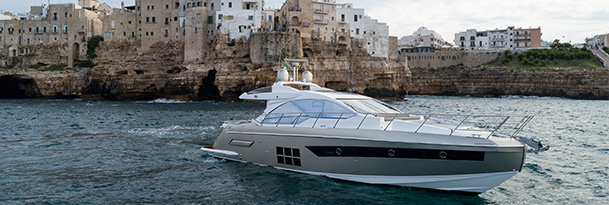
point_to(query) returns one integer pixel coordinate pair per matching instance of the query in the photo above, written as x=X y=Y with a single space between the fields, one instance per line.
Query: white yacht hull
x=475 y=183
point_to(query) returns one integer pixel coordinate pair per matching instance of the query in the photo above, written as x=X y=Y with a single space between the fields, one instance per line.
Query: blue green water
x=64 y=151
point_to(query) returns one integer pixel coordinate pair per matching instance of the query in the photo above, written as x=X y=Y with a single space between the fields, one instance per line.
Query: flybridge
x=286 y=87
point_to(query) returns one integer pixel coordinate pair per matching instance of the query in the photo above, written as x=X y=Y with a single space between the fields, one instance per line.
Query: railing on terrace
x=496 y=125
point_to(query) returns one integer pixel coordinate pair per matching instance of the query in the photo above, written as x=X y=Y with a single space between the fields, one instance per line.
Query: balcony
x=294 y=23
x=522 y=39
x=320 y=11
x=342 y=22
x=319 y=21
x=499 y=39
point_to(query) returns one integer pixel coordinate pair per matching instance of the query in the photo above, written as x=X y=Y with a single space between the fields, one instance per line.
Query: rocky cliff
x=230 y=68
x=123 y=72
x=498 y=81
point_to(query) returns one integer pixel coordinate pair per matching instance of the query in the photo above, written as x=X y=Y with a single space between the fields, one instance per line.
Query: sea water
x=70 y=151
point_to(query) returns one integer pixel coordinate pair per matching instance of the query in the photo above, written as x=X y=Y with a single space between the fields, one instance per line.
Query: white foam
x=168 y=101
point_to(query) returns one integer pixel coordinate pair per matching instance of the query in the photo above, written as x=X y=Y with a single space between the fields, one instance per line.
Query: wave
x=167 y=101
x=172 y=130
x=529 y=97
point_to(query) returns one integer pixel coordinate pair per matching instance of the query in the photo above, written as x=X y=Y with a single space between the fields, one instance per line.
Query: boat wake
x=535 y=144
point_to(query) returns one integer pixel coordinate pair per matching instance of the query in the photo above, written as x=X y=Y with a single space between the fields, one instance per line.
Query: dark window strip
x=379 y=152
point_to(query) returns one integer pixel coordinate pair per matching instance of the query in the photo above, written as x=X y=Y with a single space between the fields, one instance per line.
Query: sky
x=566 y=20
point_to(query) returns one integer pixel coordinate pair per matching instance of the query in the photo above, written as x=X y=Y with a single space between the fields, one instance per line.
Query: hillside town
x=69 y=26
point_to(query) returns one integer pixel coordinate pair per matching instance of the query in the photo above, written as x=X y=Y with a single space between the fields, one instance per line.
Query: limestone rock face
x=497 y=81
x=122 y=73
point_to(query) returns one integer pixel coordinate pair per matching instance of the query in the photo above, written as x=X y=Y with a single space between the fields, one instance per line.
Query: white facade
x=237 y=18
x=375 y=35
x=5 y=17
x=423 y=37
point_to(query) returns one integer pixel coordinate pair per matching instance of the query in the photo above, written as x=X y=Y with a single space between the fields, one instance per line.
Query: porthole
x=391 y=152
x=443 y=154
x=339 y=151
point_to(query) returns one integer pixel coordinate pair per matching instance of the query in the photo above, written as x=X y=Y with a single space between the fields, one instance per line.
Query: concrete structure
x=237 y=18
x=499 y=39
x=89 y=4
x=598 y=41
x=374 y=35
x=423 y=37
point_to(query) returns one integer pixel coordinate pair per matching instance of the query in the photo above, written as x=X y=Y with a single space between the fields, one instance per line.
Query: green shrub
x=92 y=44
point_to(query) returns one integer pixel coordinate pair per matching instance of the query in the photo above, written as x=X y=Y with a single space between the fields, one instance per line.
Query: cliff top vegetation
x=559 y=55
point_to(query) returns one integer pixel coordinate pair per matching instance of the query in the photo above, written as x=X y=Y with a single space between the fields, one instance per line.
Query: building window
x=66 y=14
x=166 y=6
x=472 y=38
x=210 y=20
x=188 y=5
x=462 y=38
x=37 y=30
x=65 y=29
x=147 y=19
x=230 y=4
x=355 y=18
x=44 y=29
x=357 y=31
x=129 y=22
x=220 y=16
x=151 y=33
x=55 y=16
x=153 y=19
x=250 y=18
x=166 y=21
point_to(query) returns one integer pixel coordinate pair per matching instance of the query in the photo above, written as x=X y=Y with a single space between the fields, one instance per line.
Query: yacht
x=310 y=129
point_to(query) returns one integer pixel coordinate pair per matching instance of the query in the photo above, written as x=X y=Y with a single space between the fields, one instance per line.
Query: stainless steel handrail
x=503 y=122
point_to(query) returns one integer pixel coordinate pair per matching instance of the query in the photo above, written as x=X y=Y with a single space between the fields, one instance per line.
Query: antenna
x=295 y=63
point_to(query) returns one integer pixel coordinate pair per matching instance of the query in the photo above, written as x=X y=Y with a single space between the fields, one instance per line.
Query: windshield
x=370 y=106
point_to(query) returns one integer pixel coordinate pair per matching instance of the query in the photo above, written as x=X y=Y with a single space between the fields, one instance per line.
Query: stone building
x=159 y=21
x=296 y=16
x=423 y=37
x=67 y=26
x=373 y=34
x=510 y=38
x=268 y=20
x=120 y=24
x=195 y=32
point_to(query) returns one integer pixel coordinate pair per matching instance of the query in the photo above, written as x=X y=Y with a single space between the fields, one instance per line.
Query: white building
x=237 y=18
x=423 y=37
x=375 y=35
